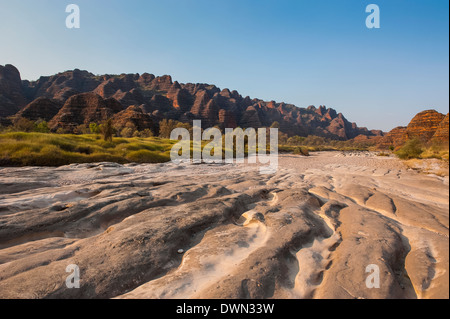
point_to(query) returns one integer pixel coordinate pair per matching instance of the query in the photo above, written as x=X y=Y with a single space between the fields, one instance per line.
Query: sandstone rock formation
x=41 y=108
x=424 y=125
x=442 y=133
x=136 y=117
x=161 y=97
x=427 y=126
x=84 y=109
x=62 y=86
x=395 y=138
x=12 y=96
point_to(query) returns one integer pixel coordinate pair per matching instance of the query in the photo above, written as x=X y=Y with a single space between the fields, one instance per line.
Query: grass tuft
x=44 y=149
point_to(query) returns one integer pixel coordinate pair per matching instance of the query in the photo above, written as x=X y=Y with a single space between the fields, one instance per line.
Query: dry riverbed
x=225 y=231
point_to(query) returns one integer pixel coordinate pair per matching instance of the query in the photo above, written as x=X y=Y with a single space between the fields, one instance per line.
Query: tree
x=107 y=130
x=312 y=140
x=146 y=133
x=166 y=127
x=42 y=127
x=295 y=140
x=22 y=124
x=187 y=126
x=282 y=138
x=82 y=129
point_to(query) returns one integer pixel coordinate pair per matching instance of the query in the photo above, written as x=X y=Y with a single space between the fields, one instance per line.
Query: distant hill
x=72 y=98
x=428 y=126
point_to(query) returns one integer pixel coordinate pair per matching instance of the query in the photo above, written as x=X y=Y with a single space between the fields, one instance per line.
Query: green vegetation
x=167 y=126
x=41 y=149
x=438 y=152
x=107 y=130
x=316 y=143
x=24 y=125
x=32 y=143
x=383 y=154
x=94 y=129
x=412 y=149
x=415 y=149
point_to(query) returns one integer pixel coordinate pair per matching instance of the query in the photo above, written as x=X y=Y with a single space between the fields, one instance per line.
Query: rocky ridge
x=159 y=97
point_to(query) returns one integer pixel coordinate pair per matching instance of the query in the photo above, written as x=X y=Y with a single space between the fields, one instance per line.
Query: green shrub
x=296 y=140
x=146 y=133
x=412 y=149
x=94 y=128
x=22 y=124
x=166 y=127
x=127 y=132
x=42 y=127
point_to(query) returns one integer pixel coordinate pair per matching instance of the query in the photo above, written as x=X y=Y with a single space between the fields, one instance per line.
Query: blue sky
x=315 y=52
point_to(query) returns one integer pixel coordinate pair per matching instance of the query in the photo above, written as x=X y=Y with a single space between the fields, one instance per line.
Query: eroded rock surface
x=225 y=231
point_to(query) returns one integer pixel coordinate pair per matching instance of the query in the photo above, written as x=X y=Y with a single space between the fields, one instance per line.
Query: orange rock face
x=424 y=125
x=441 y=135
x=136 y=116
x=427 y=126
x=394 y=138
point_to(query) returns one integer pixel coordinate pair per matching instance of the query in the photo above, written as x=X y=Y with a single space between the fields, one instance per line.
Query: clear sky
x=315 y=52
